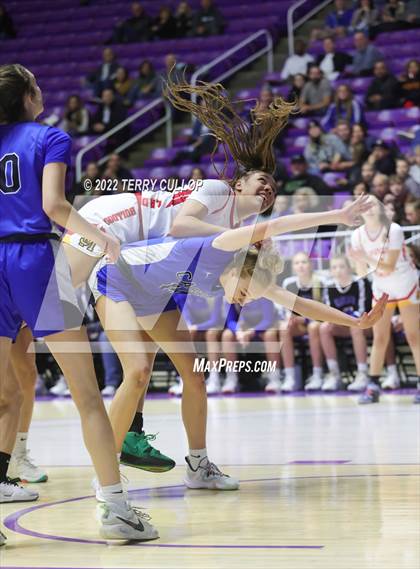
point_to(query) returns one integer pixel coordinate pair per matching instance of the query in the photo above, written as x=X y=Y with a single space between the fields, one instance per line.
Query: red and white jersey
x=404 y=277
x=146 y=215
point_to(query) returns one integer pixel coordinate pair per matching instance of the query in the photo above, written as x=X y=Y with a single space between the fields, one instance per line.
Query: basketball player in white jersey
x=378 y=247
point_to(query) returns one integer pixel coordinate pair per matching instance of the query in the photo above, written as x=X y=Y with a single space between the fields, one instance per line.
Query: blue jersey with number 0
x=25 y=148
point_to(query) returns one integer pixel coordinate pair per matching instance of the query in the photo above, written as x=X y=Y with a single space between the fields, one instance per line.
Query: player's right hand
x=112 y=247
x=369 y=319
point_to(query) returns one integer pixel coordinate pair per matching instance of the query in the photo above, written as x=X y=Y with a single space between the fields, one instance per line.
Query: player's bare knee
x=138 y=374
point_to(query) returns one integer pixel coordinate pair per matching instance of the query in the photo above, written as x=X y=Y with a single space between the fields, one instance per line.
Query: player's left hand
x=367 y=320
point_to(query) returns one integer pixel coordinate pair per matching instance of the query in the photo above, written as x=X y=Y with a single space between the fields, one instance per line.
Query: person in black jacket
x=105 y=74
x=110 y=113
x=332 y=62
x=164 y=27
x=133 y=29
x=384 y=91
x=301 y=178
x=7 y=29
x=208 y=21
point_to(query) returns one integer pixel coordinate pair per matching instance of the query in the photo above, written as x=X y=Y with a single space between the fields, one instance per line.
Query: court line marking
x=12 y=521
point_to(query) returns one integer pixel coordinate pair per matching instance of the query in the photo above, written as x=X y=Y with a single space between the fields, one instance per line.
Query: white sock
x=20 y=444
x=333 y=367
x=317 y=372
x=114 y=493
x=289 y=372
x=392 y=369
x=196 y=456
x=214 y=376
x=362 y=368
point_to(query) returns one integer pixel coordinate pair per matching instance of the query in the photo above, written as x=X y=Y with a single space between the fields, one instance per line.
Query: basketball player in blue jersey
x=35 y=287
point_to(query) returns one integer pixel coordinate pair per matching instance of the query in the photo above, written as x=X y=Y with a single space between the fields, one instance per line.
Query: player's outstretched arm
x=235 y=239
x=57 y=207
x=317 y=311
x=190 y=221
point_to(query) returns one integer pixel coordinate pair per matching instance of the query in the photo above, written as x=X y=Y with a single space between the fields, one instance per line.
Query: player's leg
x=381 y=335
x=24 y=366
x=296 y=327
x=229 y=350
x=11 y=399
x=118 y=520
x=213 y=344
x=136 y=352
x=176 y=343
x=272 y=352
x=410 y=313
x=360 y=351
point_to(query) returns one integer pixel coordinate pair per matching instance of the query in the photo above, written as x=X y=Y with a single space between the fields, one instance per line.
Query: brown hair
x=15 y=83
x=250 y=145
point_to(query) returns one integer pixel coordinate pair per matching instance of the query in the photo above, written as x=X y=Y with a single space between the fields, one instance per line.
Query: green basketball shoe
x=138 y=453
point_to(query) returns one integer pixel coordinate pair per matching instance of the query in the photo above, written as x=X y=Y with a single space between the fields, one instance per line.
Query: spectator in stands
x=305 y=200
x=352 y=296
x=381 y=158
x=105 y=74
x=298 y=84
x=123 y=84
x=359 y=143
x=364 y=17
x=380 y=186
x=115 y=170
x=197 y=173
x=307 y=285
x=245 y=324
x=300 y=178
x=332 y=62
x=414 y=171
x=183 y=20
x=403 y=171
x=164 y=26
x=410 y=84
x=298 y=62
x=367 y=174
x=360 y=189
x=345 y=106
x=336 y=23
x=146 y=85
x=93 y=174
x=201 y=142
x=366 y=55
x=320 y=150
x=207 y=20
x=176 y=68
x=316 y=94
x=412 y=212
x=134 y=29
x=343 y=159
x=7 y=29
x=384 y=91
x=110 y=113
x=393 y=17
x=413 y=12
x=76 y=117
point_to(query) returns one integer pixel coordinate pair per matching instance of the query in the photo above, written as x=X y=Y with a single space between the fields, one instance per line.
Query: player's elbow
x=178 y=228
x=54 y=210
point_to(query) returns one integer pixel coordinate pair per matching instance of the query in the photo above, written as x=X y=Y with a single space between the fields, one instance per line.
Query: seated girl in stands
x=378 y=247
x=305 y=284
x=352 y=296
x=243 y=325
x=345 y=106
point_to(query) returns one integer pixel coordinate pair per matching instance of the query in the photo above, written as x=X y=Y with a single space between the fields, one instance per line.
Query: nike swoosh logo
x=139 y=526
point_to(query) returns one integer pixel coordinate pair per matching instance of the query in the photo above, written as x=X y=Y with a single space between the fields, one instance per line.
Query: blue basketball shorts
x=36 y=288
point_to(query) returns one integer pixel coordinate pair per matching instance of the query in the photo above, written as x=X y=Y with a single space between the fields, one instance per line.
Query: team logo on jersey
x=185 y=285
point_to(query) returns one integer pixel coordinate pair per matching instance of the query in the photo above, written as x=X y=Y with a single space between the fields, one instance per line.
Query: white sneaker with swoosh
x=208 y=476
x=119 y=520
x=10 y=491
